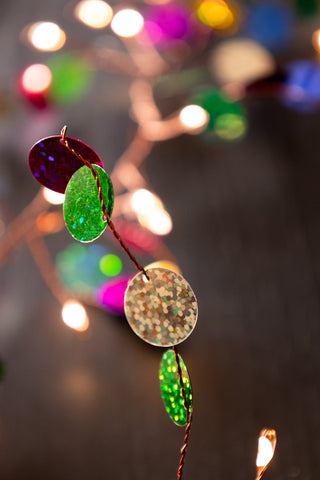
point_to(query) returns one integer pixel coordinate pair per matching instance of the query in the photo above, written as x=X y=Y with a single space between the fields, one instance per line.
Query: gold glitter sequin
x=162 y=311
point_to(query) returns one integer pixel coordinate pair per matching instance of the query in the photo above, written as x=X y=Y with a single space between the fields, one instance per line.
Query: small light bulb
x=265 y=452
x=194 y=117
x=94 y=13
x=75 y=316
x=53 y=197
x=46 y=36
x=127 y=23
x=266 y=448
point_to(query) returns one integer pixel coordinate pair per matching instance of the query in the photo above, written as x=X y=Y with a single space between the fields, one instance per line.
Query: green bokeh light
x=110 y=265
x=227 y=118
x=230 y=126
x=71 y=77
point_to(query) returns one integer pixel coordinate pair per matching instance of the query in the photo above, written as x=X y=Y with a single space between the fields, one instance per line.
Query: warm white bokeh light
x=75 y=316
x=127 y=23
x=53 y=197
x=240 y=60
x=194 y=117
x=94 y=13
x=142 y=201
x=36 y=78
x=265 y=452
x=158 y=221
x=46 y=36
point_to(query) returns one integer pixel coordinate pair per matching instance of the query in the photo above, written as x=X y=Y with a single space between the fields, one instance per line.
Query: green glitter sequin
x=82 y=209
x=171 y=390
x=162 y=311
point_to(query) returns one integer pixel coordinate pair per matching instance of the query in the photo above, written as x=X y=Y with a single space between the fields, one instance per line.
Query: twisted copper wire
x=64 y=142
x=183 y=392
x=183 y=450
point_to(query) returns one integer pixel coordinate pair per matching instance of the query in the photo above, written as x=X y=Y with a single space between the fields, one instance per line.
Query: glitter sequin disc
x=171 y=390
x=53 y=165
x=162 y=310
x=82 y=208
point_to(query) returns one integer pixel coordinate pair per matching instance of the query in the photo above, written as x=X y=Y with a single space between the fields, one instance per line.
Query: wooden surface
x=246 y=235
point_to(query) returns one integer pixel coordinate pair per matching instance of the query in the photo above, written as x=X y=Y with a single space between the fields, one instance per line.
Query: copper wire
x=183 y=450
x=64 y=142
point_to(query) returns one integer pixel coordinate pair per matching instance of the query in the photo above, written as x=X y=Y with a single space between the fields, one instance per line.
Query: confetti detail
x=162 y=311
x=82 y=208
x=171 y=390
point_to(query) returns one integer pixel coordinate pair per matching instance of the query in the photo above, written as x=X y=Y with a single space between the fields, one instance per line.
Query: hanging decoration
x=160 y=306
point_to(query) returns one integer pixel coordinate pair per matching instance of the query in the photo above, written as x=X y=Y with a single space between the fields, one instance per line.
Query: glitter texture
x=53 y=165
x=162 y=311
x=171 y=390
x=82 y=209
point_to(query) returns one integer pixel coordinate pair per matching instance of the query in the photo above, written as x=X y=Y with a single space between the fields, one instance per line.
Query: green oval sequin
x=171 y=390
x=82 y=209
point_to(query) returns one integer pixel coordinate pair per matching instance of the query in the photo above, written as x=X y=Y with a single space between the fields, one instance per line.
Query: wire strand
x=183 y=450
x=117 y=236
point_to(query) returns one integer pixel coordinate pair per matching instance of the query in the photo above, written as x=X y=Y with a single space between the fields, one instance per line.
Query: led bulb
x=266 y=448
x=265 y=452
x=94 y=13
x=46 y=36
x=194 y=117
x=127 y=23
x=75 y=316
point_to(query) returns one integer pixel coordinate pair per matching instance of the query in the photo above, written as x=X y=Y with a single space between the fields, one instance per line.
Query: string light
x=53 y=197
x=36 y=79
x=266 y=448
x=46 y=36
x=127 y=23
x=75 y=316
x=94 y=13
x=194 y=118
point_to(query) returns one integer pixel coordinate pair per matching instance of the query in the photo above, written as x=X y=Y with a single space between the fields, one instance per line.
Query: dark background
x=246 y=235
